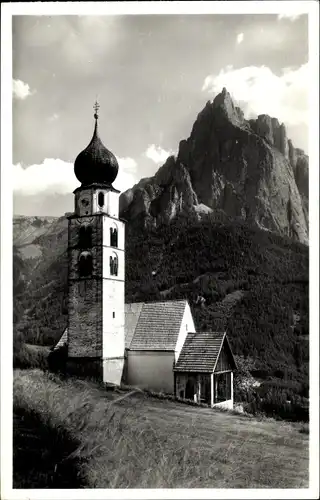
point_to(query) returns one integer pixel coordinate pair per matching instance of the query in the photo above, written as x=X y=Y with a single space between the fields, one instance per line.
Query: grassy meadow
x=72 y=433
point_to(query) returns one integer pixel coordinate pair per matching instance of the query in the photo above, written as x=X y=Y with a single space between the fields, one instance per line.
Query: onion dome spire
x=96 y=164
x=96 y=107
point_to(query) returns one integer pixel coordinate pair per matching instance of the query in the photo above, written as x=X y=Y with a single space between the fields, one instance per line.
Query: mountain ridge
x=247 y=169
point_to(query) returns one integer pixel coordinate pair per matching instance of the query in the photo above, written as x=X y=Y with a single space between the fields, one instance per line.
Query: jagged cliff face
x=244 y=169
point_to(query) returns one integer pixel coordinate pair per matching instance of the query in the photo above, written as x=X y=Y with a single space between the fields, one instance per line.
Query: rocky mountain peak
x=272 y=131
x=225 y=111
x=219 y=113
x=246 y=169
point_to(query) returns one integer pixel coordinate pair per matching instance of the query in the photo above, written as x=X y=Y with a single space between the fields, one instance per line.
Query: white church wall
x=113 y=301
x=114 y=253
x=151 y=370
x=114 y=224
x=187 y=325
x=111 y=203
x=113 y=322
x=95 y=205
x=112 y=370
x=113 y=293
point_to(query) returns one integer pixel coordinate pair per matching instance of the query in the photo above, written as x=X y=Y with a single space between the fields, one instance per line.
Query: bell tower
x=96 y=260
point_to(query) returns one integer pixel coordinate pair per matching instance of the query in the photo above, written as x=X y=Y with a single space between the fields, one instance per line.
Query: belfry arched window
x=85 y=237
x=114 y=265
x=101 y=199
x=114 y=236
x=85 y=264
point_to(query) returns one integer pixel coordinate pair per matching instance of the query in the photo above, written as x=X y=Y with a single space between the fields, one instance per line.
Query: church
x=152 y=345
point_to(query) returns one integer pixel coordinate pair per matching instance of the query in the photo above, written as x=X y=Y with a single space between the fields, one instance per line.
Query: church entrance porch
x=194 y=387
x=197 y=388
x=204 y=369
x=214 y=389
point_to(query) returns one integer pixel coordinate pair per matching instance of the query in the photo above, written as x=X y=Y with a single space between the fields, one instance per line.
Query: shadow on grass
x=43 y=456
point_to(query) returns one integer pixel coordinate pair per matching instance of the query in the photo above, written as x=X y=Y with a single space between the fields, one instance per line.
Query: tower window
x=113 y=237
x=85 y=237
x=101 y=199
x=114 y=265
x=85 y=264
x=113 y=314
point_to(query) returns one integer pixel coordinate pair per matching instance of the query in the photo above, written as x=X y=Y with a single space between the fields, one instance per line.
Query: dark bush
x=27 y=357
x=57 y=359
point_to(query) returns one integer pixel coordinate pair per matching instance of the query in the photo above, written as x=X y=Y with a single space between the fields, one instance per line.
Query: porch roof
x=200 y=352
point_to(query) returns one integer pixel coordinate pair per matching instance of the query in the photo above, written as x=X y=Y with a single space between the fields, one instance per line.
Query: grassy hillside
x=80 y=435
x=26 y=230
x=40 y=281
x=252 y=282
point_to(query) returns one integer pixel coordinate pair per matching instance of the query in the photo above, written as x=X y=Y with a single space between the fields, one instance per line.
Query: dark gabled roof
x=158 y=326
x=149 y=326
x=200 y=352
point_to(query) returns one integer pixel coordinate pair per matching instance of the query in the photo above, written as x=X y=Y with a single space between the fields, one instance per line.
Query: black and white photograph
x=159 y=250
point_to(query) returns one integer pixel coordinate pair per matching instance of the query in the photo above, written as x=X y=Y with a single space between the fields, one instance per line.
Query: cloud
x=157 y=154
x=20 y=89
x=127 y=175
x=55 y=176
x=53 y=117
x=292 y=17
x=258 y=90
x=240 y=37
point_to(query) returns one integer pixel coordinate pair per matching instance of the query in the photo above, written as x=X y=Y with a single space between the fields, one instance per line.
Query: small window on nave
x=85 y=237
x=113 y=265
x=85 y=264
x=101 y=199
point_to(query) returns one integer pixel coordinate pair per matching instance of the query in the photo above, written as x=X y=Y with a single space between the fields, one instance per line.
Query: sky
x=152 y=75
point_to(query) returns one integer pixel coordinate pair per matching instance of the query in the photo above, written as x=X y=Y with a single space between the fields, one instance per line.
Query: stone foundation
x=85 y=367
x=111 y=371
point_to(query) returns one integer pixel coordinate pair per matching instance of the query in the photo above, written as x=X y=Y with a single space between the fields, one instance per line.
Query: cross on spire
x=96 y=109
